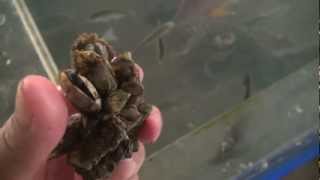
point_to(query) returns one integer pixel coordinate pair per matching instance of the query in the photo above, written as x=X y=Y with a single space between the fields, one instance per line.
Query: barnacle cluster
x=104 y=87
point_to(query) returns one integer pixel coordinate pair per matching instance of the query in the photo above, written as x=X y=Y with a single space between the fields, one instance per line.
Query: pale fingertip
x=34 y=129
x=128 y=167
x=77 y=176
x=46 y=104
x=59 y=169
x=125 y=169
x=151 y=129
x=139 y=156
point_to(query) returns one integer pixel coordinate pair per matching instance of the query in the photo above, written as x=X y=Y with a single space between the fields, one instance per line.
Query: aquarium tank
x=235 y=80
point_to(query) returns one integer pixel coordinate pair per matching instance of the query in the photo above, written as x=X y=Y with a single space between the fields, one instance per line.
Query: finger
x=33 y=130
x=134 y=177
x=139 y=156
x=40 y=174
x=139 y=72
x=128 y=167
x=77 y=177
x=59 y=169
x=151 y=129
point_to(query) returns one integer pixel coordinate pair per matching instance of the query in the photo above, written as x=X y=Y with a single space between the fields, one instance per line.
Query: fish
x=209 y=8
x=293 y=51
x=55 y=23
x=247 y=85
x=162 y=11
x=221 y=10
x=157 y=33
x=2 y=19
x=161 y=48
x=107 y=16
x=267 y=14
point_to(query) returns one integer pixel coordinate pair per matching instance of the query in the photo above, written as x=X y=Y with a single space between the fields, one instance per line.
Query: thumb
x=33 y=130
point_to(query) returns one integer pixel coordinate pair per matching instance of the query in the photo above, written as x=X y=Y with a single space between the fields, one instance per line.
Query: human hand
x=37 y=125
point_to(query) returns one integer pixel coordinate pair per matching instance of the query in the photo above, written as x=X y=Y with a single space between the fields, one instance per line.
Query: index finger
x=152 y=126
x=151 y=129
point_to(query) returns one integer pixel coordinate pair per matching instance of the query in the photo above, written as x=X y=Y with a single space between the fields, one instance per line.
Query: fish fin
x=247 y=85
x=161 y=48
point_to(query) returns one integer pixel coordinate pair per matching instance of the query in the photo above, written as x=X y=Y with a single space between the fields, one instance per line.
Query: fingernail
x=21 y=111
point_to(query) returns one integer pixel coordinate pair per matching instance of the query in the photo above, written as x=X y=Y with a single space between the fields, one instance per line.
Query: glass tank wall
x=236 y=74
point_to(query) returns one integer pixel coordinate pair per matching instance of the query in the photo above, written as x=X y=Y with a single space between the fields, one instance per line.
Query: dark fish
x=157 y=33
x=161 y=48
x=107 y=16
x=247 y=85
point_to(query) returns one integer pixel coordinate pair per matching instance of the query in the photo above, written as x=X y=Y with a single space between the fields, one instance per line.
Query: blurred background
x=235 y=79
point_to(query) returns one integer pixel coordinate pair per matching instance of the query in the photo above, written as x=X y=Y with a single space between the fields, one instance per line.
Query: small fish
x=2 y=19
x=157 y=33
x=265 y=15
x=194 y=8
x=161 y=48
x=107 y=16
x=291 y=51
x=247 y=85
x=221 y=10
x=8 y=62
